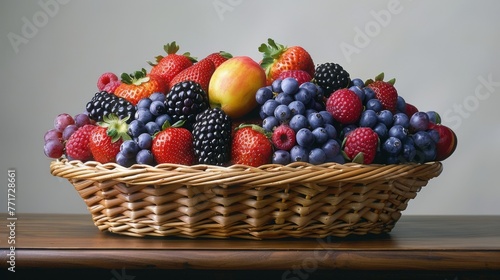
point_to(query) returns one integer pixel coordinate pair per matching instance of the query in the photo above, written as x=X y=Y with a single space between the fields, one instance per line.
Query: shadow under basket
x=298 y=200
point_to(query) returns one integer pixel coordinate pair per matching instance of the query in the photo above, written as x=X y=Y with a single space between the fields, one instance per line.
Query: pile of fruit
x=224 y=110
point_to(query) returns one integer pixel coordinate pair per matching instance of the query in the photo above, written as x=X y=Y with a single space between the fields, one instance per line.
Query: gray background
x=440 y=52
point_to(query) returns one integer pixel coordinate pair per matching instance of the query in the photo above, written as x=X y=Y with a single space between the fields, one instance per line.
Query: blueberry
x=398 y=131
x=374 y=104
x=369 y=93
x=161 y=119
x=327 y=117
x=331 y=131
x=144 y=103
x=393 y=145
x=157 y=96
x=281 y=157
x=368 y=118
x=144 y=115
x=311 y=88
x=401 y=119
x=317 y=156
x=289 y=85
x=430 y=153
x=348 y=128
x=263 y=94
x=269 y=106
x=303 y=95
x=422 y=139
x=358 y=82
x=129 y=148
x=305 y=137
x=381 y=130
x=299 y=153
x=434 y=134
x=276 y=85
x=283 y=113
x=401 y=104
x=409 y=151
x=123 y=160
x=331 y=148
x=269 y=123
x=284 y=98
x=315 y=120
x=157 y=108
x=386 y=117
x=359 y=92
x=297 y=107
x=338 y=159
x=136 y=127
x=434 y=117
x=152 y=128
x=144 y=141
x=320 y=135
x=145 y=157
x=297 y=122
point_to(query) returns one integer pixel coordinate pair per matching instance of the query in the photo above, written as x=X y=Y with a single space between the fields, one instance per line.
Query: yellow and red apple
x=233 y=86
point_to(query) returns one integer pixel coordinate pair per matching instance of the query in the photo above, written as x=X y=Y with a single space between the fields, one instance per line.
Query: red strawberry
x=174 y=144
x=278 y=58
x=385 y=92
x=345 y=106
x=200 y=72
x=251 y=146
x=283 y=137
x=218 y=57
x=106 y=138
x=139 y=85
x=361 y=145
x=300 y=75
x=77 y=146
x=168 y=66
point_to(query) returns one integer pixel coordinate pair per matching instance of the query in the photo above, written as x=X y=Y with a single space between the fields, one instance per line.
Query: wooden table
x=443 y=247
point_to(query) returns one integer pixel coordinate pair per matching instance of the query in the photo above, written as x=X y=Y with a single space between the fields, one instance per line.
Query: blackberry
x=330 y=77
x=212 y=137
x=104 y=103
x=184 y=101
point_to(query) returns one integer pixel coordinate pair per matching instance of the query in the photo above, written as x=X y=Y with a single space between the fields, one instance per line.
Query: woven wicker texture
x=273 y=201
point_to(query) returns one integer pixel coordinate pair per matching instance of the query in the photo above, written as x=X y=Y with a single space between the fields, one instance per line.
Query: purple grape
x=419 y=121
x=81 y=119
x=53 y=148
x=52 y=134
x=62 y=121
x=68 y=131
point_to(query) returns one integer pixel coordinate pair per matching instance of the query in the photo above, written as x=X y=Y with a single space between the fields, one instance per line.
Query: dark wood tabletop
x=417 y=243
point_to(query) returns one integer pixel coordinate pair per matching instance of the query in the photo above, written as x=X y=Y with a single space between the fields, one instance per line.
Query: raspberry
x=105 y=79
x=77 y=146
x=283 y=137
x=111 y=86
x=300 y=75
x=345 y=106
x=361 y=145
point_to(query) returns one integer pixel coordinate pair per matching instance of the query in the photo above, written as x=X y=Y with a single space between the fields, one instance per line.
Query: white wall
x=440 y=52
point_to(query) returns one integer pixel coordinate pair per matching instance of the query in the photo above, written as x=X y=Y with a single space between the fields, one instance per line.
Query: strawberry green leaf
x=359 y=158
x=379 y=77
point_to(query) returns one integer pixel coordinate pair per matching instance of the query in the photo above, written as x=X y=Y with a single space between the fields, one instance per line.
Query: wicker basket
x=273 y=201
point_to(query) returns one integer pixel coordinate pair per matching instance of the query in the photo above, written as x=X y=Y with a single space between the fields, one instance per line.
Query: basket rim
x=202 y=174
